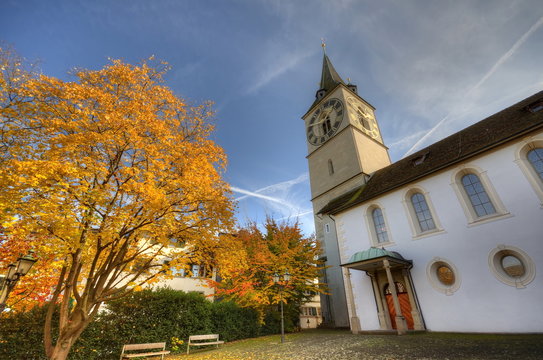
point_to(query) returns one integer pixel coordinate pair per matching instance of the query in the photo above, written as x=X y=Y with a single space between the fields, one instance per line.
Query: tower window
x=330 y=167
x=320 y=94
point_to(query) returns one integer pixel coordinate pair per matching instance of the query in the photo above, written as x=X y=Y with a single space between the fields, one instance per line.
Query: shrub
x=162 y=315
x=21 y=334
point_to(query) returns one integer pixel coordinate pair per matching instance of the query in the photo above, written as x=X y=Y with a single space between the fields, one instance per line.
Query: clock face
x=325 y=121
x=364 y=116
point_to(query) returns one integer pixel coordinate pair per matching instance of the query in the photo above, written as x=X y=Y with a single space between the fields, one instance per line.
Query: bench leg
x=188 y=348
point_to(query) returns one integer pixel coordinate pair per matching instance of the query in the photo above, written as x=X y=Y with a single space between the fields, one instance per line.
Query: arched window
x=478 y=197
x=422 y=212
x=379 y=225
x=535 y=157
x=480 y=201
x=529 y=157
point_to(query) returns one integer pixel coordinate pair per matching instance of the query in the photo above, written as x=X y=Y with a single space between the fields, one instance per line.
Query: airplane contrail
x=489 y=73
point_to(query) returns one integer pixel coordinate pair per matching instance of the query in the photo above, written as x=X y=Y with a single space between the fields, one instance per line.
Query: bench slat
x=207 y=343
x=144 y=346
x=203 y=337
x=128 y=356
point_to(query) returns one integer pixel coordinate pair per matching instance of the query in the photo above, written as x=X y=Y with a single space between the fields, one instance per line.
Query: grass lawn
x=339 y=344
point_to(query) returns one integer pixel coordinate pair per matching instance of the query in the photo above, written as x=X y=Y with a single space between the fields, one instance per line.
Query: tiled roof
x=504 y=126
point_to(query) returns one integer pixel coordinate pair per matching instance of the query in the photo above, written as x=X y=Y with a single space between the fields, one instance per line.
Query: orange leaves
x=107 y=168
x=249 y=260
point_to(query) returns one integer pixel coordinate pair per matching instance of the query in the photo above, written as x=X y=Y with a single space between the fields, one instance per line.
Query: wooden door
x=405 y=305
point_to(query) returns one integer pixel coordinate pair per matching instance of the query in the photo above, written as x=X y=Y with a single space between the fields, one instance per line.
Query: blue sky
x=430 y=68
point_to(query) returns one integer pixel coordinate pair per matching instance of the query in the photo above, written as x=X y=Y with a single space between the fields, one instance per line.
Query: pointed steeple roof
x=329 y=77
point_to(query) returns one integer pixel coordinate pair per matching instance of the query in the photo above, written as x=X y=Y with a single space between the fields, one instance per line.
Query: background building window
x=477 y=195
x=195 y=269
x=422 y=212
x=379 y=225
x=535 y=157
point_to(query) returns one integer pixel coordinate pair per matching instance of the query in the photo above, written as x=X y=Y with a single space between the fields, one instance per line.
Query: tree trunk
x=66 y=340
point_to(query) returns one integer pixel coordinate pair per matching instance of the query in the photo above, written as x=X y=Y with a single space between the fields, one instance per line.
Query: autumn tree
x=34 y=289
x=105 y=172
x=248 y=264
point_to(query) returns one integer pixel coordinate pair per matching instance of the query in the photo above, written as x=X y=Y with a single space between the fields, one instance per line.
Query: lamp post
x=15 y=271
x=281 y=282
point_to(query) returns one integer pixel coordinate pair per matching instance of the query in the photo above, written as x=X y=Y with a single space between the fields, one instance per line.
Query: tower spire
x=329 y=77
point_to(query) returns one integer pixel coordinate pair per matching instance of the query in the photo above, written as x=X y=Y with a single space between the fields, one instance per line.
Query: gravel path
x=342 y=345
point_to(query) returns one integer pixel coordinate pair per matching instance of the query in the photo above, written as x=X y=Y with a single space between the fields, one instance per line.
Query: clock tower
x=345 y=147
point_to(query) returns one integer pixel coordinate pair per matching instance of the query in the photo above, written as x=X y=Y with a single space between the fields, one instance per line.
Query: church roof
x=506 y=125
x=329 y=77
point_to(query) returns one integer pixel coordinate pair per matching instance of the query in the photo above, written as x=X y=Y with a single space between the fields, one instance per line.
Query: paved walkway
x=342 y=345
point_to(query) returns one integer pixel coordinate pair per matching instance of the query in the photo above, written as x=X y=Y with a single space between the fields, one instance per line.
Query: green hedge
x=142 y=317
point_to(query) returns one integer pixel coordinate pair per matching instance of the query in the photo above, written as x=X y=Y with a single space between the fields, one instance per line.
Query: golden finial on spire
x=323 y=44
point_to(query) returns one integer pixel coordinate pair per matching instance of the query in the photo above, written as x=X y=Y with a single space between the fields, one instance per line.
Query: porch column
x=415 y=313
x=355 y=322
x=401 y=324
x=379 y=300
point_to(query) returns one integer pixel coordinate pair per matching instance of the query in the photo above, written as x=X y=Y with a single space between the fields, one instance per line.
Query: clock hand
x=323 y=116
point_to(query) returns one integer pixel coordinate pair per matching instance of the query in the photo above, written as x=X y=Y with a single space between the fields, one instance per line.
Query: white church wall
x=365 y=305
x=482 y=303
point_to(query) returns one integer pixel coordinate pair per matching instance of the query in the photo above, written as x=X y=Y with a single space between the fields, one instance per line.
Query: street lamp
x=14 y=273
x=277 y=280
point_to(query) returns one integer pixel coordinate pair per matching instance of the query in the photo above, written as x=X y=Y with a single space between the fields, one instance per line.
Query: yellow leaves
x=110 y=159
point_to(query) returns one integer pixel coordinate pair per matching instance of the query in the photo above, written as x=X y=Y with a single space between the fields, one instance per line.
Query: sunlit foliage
x=102 y=171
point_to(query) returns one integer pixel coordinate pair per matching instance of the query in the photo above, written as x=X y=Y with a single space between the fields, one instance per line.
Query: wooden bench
x=203 y=340
x=139 y=347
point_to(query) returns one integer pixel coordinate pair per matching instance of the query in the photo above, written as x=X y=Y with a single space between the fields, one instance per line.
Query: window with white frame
x=477 y=196
x=379 y=225
x=422 y=212
x=535 y=157
x=512 y=266
x=443 y=275
x=529 y=157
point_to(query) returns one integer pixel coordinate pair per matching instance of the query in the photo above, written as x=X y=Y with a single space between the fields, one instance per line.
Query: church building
x=446 y=239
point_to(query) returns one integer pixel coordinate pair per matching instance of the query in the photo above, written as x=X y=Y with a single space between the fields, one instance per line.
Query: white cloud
x=467 y=97
x=276 y=67
x=282 y=197
x=282 y=186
